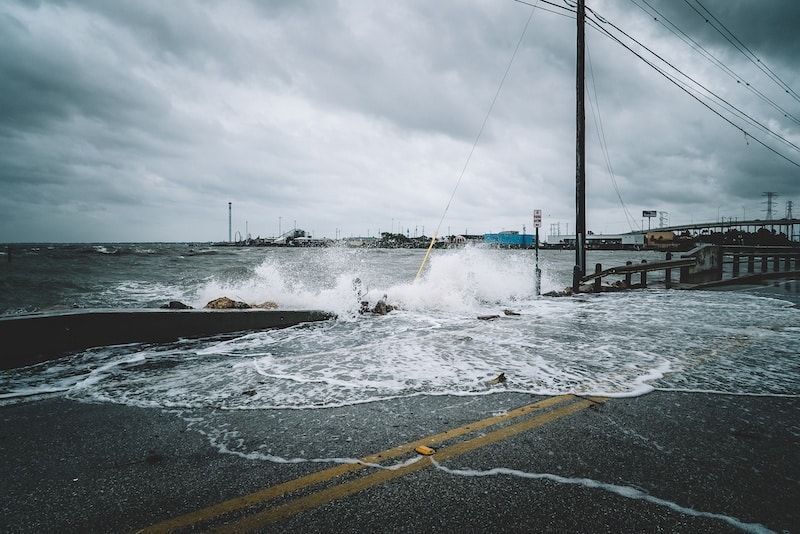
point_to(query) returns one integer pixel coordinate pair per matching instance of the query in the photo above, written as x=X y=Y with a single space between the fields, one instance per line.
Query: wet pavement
x=662 y=462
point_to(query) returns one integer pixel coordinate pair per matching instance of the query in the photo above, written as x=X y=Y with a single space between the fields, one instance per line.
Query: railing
x=704 y=266
x=630 y=268
x=779 y=258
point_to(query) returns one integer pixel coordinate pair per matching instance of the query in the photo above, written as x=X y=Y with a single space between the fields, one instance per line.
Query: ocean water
x=742 y=342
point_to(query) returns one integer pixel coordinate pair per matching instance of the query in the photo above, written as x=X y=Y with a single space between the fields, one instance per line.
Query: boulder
x=224 y=303
x=382 y=308
x=176 y=305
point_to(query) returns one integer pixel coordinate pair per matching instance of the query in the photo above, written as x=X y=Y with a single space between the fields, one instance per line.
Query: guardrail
x=704 y=266
x=629 y=269
x=779 y=258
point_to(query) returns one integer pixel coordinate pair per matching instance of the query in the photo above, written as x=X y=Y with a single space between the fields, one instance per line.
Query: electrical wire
x=741 y=47
x=475 y=143
x=599 y=26
x=599 y=23
x=697 y=47
x=601 y=137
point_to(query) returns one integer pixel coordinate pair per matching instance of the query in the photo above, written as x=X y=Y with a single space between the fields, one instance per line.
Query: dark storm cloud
x=768 y=29
x=141 y=120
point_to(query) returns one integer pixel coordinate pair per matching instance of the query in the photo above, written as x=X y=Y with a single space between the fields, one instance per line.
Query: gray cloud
x=140 y=121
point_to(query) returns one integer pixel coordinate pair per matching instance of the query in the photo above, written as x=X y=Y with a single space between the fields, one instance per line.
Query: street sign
x=537 y=218
x=649 y=213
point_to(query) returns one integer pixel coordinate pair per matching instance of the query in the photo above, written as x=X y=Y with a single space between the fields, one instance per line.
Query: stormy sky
x=140 y=121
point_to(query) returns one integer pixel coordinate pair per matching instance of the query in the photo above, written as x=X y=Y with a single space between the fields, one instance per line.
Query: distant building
x=509 y=239
x=662 y=240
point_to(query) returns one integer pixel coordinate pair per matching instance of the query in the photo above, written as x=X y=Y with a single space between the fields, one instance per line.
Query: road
x=505 y=462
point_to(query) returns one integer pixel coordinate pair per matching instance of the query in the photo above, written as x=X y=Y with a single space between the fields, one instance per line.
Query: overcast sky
x=140 y=121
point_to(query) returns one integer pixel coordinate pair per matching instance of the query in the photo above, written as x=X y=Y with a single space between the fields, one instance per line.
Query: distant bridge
x=790 y=227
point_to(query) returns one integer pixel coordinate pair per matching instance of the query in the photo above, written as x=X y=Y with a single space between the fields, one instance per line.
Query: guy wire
x=477 y=138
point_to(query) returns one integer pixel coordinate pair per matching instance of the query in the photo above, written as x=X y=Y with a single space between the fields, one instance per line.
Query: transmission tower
x=663 y=219
x=771 y=195
x=789 y=209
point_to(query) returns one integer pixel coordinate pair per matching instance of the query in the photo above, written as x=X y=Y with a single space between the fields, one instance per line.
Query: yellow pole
x=428 y=253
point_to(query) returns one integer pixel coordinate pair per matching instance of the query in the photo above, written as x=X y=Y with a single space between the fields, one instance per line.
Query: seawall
x=30 y=339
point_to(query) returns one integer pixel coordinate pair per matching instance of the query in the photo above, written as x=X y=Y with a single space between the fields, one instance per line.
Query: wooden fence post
x=597 y=269
x=628 y=275
x=644 y=276
x=668 y=273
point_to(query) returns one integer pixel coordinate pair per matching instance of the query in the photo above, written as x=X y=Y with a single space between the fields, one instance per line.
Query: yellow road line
x=319 y=498
x=225 y=507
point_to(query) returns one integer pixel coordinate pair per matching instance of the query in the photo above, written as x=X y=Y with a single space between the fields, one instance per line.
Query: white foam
x=622 y=344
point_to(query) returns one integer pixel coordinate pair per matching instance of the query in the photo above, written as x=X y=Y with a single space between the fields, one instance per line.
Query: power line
x=599 y=23
x=477 y=138
x=741 y=47
x=601 y=137
x=697 y=47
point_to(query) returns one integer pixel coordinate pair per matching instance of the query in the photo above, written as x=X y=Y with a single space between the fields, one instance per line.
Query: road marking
x=354 y=486
x=319 y=498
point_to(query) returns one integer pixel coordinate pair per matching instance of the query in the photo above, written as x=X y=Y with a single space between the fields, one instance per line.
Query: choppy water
x=619 y=344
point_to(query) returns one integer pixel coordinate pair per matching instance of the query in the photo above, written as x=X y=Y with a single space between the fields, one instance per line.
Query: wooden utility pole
x=580 y=156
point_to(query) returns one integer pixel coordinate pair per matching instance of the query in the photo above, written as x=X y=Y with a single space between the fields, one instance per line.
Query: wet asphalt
x=662 y=462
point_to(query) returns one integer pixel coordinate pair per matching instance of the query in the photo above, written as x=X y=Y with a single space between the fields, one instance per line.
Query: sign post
x=537 y=223
x=649 y=214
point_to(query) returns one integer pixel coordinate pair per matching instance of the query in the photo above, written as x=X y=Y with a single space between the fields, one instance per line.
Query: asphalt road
x=663 y=462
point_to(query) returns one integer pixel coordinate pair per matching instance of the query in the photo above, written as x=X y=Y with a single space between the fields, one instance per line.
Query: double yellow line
x=570 y=404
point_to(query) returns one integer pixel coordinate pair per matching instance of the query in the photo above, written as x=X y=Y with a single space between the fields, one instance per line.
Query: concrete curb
x=31 y=339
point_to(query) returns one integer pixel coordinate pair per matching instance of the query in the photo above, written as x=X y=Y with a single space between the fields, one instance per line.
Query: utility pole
x=230 y=236
x=580 y=155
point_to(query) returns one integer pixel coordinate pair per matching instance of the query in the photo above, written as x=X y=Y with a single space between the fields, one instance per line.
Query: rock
x=176 y=305
x=488 y=317
x=566 y=293
x=510 y=312
x=268 y=305
x=382 y=308
x=224 y=303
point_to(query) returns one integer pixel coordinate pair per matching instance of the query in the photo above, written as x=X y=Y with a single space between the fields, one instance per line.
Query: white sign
x=537 y=218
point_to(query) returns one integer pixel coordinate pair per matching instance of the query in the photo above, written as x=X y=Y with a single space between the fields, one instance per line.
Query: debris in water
x=498 y=379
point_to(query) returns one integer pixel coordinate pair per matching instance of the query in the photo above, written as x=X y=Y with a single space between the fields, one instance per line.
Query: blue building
x=509 y=239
